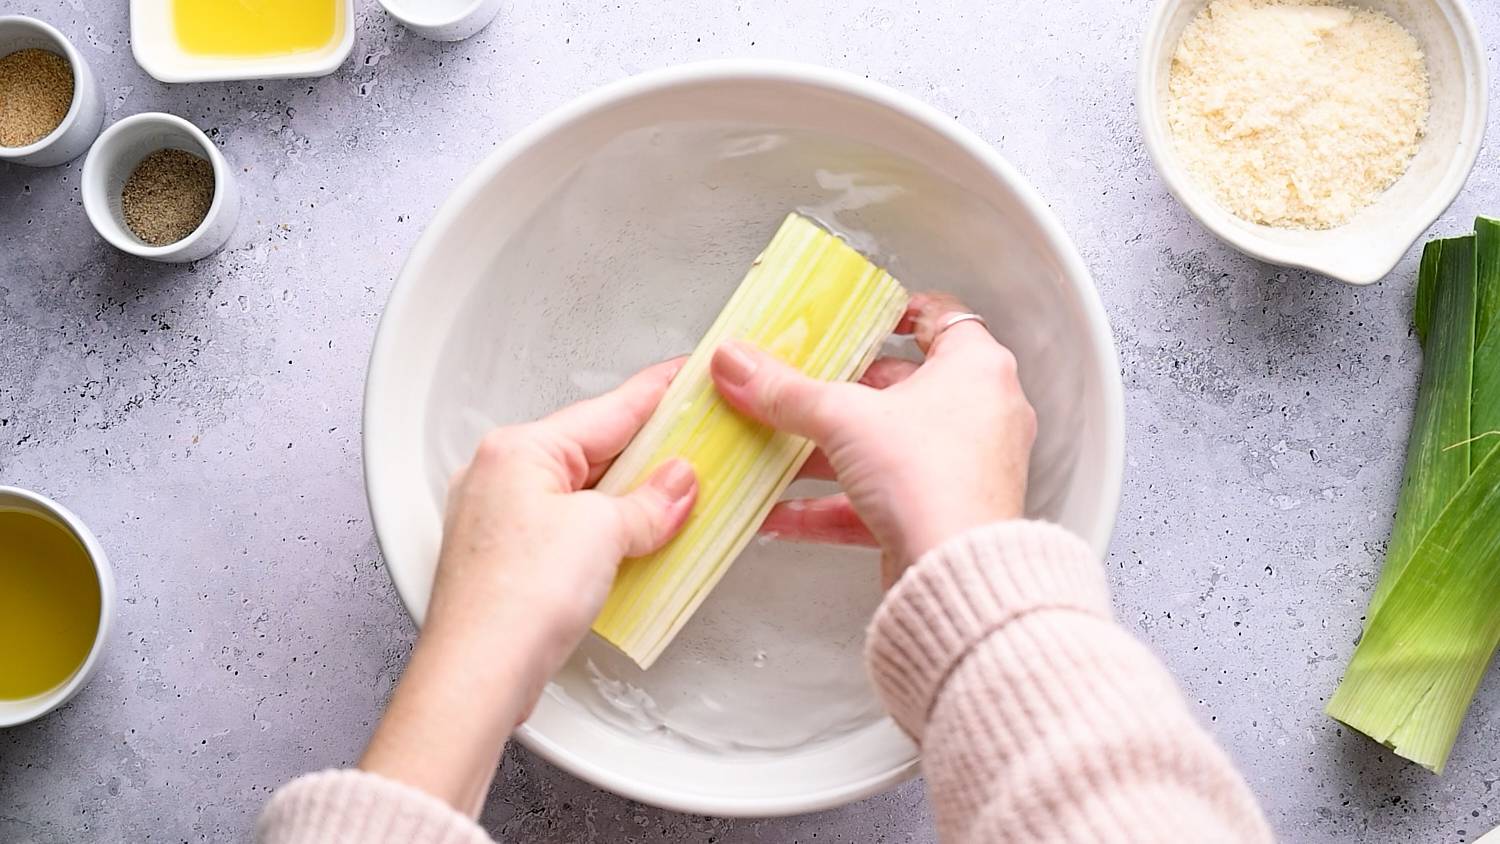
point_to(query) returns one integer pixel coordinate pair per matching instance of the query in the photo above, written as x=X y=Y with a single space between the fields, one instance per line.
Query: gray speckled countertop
x=205 y=419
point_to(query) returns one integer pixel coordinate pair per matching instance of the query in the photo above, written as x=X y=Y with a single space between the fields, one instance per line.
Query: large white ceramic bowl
x=608 y=235
x=1366 y=248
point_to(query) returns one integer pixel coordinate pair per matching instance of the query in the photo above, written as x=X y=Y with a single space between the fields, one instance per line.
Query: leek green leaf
x=1437 y=451
x=1434 y=620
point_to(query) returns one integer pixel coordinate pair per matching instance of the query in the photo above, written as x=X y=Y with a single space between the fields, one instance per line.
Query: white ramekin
x=114 y=157
x=1367 y=247
x=80 y=125
x=456 y=254
x=154 y=45
x=13 y=712
x=448 y=20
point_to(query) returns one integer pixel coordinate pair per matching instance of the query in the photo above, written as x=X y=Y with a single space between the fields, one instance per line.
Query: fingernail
x=734 y=363
x=675 y=479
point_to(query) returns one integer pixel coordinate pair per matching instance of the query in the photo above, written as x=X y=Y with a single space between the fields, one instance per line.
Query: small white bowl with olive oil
x=57 y=597
x=211 y=41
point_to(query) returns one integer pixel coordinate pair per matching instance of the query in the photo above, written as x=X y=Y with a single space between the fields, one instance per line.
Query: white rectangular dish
x=158 y=52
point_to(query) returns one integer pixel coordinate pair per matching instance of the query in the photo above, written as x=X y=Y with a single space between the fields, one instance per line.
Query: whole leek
x=1434 y=620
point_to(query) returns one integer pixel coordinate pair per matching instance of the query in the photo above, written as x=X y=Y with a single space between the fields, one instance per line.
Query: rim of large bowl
x=378 y=488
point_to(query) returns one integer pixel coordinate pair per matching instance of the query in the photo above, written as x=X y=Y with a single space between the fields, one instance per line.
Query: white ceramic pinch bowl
x=153 y=41
x=115 y=156
x=14 y=712
x=608 y=235
x=443 y=20
x=1366 y=248
x=80 y=125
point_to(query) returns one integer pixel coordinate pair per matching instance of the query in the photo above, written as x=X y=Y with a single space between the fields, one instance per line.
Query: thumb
x=768 y=391
x=652 y=513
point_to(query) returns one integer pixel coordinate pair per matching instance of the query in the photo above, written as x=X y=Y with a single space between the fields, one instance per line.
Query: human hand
x=529 y=555
x=923 y=452
x=525 y=538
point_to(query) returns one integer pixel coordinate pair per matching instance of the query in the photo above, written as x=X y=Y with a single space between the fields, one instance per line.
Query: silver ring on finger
x=955 y=319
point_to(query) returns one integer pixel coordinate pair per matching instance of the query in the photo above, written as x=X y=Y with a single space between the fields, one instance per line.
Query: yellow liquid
x=256 y=27
x=49 y=604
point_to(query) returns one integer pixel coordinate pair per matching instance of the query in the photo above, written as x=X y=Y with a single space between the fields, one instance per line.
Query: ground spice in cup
x=36 y=91
x=167 y=196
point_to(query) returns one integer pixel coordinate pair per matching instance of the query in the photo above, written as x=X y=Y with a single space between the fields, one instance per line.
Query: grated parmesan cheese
x=1295 y=114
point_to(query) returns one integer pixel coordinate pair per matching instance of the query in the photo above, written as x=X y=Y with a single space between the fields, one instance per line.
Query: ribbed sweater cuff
x=964 y=591
x=358 y=806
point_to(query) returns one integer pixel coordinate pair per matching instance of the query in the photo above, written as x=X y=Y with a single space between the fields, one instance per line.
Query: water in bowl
x=628 y=263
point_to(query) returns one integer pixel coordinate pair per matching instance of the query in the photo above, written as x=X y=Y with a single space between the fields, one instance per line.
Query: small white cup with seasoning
x=57 y=597
x=155 y=186
x=50 y=107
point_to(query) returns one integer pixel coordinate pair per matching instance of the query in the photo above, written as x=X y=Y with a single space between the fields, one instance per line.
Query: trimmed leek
x=810 y=300
x=1434 y=620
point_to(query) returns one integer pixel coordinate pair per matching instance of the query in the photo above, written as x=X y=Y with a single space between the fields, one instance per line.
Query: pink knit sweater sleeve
x=1039 y=718
x=357 y=807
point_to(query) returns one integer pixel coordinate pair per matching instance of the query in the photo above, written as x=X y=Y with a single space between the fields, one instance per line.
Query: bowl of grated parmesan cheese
x=1320 y=134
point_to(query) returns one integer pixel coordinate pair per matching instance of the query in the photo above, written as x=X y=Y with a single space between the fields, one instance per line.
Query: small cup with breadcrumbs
x=50 y=108
x=156 y=186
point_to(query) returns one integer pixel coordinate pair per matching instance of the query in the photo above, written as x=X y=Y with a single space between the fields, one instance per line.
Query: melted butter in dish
x=257 y=27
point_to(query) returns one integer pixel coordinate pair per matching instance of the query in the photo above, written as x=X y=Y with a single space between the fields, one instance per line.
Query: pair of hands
x=923 y=452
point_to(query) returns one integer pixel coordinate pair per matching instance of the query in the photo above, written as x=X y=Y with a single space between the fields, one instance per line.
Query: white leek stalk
x=813 y=302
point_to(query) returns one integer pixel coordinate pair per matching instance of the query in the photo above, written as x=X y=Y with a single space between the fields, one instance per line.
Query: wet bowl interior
x=1369 y=245
x=608 y=236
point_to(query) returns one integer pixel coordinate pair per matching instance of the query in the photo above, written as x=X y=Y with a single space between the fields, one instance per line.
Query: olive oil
x=49 y=604
x=256 y=27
